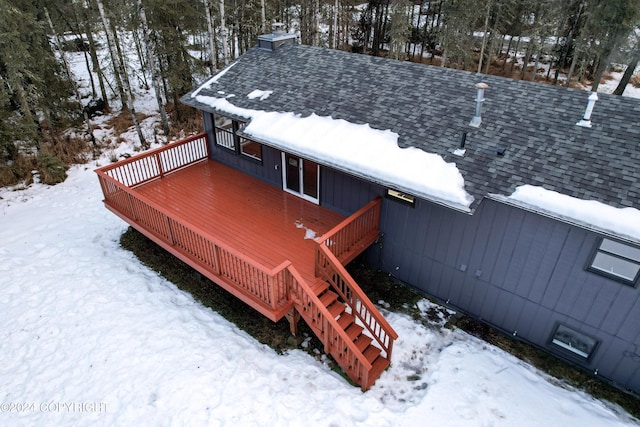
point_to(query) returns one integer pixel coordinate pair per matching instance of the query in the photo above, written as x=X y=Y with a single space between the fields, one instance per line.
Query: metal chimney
x=477 y=119
x=586 y=120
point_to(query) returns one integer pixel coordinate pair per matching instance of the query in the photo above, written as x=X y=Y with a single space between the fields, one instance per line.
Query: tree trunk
x=144 y=64
x=628 y=73
x=316 y=23
x=535 y=66
x=572 y=67
x=600 y=69
x=85 y=115
x=119 y=69
x=515 y=57
x=212 y=49
x=153 y=67
x=484 y=37
x=504 y=63
x=113 y=54
x=223 y=35
x=96 y=64
x=334 y=38
x=263 y=18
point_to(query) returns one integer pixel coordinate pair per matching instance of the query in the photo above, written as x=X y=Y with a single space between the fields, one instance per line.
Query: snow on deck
x=357 y=149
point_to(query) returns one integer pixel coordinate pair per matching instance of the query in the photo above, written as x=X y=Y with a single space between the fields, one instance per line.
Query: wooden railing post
x=159 y=162
x=133 y=212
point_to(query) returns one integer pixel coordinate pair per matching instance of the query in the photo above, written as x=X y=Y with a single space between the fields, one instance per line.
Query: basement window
x=574 y=342
x=617 y=261
x=401 y=197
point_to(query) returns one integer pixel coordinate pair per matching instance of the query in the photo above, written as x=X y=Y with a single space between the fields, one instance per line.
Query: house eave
x=570 y=221
x=360 y=175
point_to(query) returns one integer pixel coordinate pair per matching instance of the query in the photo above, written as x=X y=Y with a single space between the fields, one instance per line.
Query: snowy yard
x=90 y=336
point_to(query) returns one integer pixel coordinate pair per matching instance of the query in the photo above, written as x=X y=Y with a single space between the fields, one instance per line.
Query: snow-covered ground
x=89 y=336
x=92 y=337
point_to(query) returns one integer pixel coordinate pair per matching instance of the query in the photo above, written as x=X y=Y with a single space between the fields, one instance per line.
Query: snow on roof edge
x=375 y=179
x=590 y=214
x=358 y=149
x=214 y=79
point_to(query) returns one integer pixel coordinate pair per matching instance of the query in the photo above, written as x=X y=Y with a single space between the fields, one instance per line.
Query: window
x=573 y=341
x=401 y=197
x=250 y=148
x=617 y=261
x=226 y=134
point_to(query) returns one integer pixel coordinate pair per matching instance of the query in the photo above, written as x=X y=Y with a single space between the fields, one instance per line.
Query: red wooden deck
x=278 y=253
x=260 y=221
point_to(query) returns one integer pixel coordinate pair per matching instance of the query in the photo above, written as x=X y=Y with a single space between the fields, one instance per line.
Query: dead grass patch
x=17 y=171
x=123 y=121
x=184 y=120
x=635 y=80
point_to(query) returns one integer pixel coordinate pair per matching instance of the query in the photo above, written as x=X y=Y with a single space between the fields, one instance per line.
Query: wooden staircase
x=340 y=314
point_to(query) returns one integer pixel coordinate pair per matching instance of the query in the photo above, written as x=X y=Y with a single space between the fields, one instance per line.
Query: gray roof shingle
x=430 y=108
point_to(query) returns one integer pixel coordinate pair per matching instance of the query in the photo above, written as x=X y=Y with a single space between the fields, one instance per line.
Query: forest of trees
x=179 y=42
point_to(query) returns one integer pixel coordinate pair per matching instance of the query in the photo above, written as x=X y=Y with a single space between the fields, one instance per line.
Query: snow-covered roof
x=528 y=135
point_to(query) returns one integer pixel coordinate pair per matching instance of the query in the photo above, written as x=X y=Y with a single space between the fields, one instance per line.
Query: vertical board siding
x=630 y=328
x=621 y=310
x=517 y=270
x=524 y=272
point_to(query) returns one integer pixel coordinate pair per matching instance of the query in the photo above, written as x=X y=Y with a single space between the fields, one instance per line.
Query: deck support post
x=293 y=316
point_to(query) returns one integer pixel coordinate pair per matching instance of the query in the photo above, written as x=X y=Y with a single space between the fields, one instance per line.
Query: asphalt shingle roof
x=430 y=108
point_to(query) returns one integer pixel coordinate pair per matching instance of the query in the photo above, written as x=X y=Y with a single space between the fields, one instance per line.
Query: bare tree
x=223 y=34
x=119 y=71
x=153 y=67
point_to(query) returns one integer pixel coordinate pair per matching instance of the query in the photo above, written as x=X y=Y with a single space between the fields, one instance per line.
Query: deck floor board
x=253 y=217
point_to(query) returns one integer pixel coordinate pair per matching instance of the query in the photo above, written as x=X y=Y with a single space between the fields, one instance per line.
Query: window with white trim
x=227 y=136
x=573 y=341
x=616 y=260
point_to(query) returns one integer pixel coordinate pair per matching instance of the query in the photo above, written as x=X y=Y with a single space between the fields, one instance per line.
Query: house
x=514 y=202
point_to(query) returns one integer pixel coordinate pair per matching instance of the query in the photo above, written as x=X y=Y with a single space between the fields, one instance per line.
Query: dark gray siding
x=522 y=272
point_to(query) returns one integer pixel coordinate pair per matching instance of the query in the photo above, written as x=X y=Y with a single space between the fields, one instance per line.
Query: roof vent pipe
x=586 y=120
x=461 y=150
x=477 y=119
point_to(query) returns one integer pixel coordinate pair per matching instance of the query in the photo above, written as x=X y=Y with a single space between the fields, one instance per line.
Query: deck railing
x=266 y=286
x=359 y=228
x=156 y=163
x=354 y=233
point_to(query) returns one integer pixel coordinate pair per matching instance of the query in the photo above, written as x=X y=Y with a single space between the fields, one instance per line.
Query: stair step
x=336 y=309
x=371 y=353
x=362 y=342
x=345 y=320
x=354 y=331
x=319 y=287
x=378 y=366
x=328 y=298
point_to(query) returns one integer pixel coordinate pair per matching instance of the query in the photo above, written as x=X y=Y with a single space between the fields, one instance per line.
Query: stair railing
x=334 y=337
